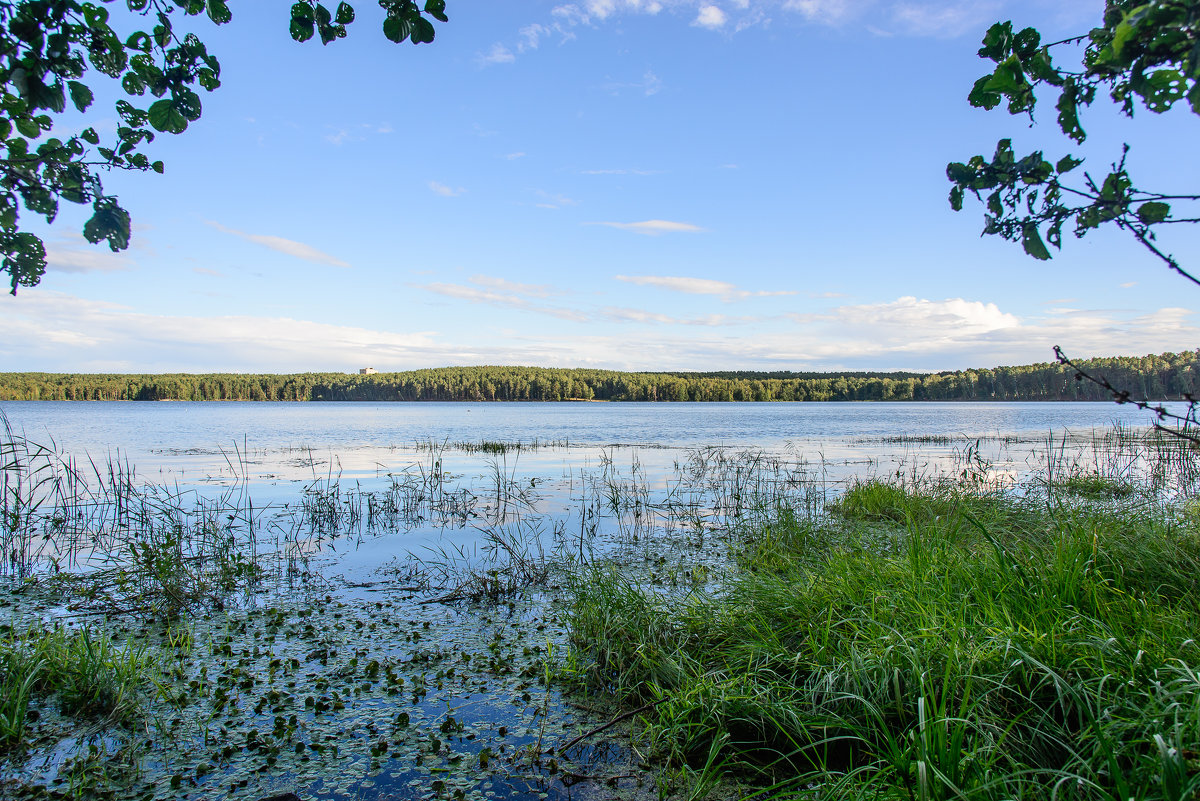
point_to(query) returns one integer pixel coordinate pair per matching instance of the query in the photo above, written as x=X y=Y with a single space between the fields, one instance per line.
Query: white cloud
x=53 y=331
x=531 y=36
x=626 y=315
x=942 y=19
x=206 y=271
x=69 y=333
x=514 y=156
x=499 y=54
x=653 y=227
x=64 y=258
x=710 y=17
x=501 y=298
x=445 y=191
x=504 y=285
x=829 y=12
x=288 y=246
x=699 y=286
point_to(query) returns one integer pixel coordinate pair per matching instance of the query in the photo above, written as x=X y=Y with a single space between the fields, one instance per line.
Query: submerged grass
x=922 y=642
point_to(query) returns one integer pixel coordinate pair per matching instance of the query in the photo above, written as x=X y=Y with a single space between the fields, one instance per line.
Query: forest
x=1166 y=376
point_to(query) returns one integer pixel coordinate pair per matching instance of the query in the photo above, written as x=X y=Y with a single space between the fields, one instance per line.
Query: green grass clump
x=87 y=675
x=1094 y=486
x=924 y=643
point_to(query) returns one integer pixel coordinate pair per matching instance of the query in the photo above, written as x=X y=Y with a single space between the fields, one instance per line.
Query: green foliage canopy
x=1143 y=54
x=48 y=48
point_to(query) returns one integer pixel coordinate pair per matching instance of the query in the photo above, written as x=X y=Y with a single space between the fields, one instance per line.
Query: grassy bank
x=923 y=642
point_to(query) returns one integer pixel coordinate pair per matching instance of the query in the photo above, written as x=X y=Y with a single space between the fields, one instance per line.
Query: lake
x=370 y=595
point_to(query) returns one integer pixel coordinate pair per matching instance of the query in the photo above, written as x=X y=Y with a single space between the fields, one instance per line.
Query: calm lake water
x=158 y=433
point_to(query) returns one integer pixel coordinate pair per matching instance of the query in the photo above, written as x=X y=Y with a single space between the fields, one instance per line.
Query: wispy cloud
x=514 y=156
x=445 y=191
x=944 y=19
x=829 y=12
x=626 y=315
x=514 y=287
x=499 y=54
x=71 y=255
x=553 y=201
x=620 y=172
x=699 y=286
x=208 y=272
x=506 y=299
x=288 y=246
x=653 y=227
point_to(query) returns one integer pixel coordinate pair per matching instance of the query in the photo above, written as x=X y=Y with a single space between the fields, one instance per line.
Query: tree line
x=1166 y=376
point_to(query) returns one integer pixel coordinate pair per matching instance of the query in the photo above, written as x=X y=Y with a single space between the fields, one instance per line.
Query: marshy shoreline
x=755 y=625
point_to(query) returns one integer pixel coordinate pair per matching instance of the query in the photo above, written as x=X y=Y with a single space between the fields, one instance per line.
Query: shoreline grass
x=921 y=642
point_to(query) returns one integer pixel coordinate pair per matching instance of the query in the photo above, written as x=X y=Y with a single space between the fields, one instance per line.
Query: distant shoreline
x=1167 y=376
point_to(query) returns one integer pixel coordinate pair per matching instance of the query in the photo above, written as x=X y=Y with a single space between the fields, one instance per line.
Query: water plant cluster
x=710 y=620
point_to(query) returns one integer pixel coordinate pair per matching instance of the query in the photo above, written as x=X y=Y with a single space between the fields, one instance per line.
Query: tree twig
x=624 y=716
x=1122 y=396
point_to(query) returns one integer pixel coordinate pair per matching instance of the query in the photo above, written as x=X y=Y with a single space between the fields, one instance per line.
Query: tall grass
x=923 y=642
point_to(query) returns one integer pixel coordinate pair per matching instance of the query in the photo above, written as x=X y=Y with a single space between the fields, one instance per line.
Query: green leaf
x=396 y=28
x=24 y=259
x=157 y=167
x=956 y=198
x=96 y=17
x=188 y=103
x=1066 y=164
x=301 y=30
x=996 y=41
x=960 y=173
x=81 y=95
x=5 y=129
x=1120 y=36
x=1161 y=89
x=28 y=127
x=422 y=31
x=90 y=136
x=108 y=221
x=302 y=12
x=1031 y=240
x=164 y=116
x=345 y=14
x=994 y=205
x=1068 y=112
x=437 y=10
x=218 y=12
x=982 y=96
x=139 y=40
x=1153 y=212
x=133 y=84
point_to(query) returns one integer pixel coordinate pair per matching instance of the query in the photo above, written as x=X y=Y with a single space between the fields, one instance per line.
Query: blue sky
x=626 y=184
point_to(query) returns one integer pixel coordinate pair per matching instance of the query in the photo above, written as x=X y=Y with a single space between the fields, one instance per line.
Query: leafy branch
x=1145 y=52
x=47 y=47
